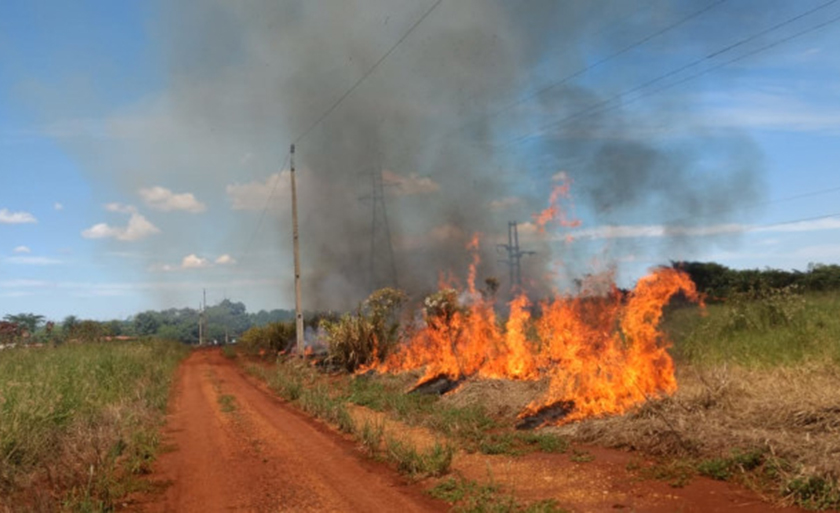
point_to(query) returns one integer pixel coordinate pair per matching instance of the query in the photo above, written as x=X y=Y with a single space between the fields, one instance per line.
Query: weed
x=676 y=473
x=813 y=492
x=229 y=352
x=579 y=456
x=431 y=462
x=472 y=497
x=544 y=441
x=227 y=403
x=716 y=468
x=371 y=436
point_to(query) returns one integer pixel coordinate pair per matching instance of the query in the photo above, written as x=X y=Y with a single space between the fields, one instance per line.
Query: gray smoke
x=246 y=78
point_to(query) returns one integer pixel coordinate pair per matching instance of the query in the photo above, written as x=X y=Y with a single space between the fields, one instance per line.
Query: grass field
x=78 y=421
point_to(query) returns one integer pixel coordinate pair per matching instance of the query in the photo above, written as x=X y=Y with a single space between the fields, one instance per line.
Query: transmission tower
x=514 y=260
x=383 y=266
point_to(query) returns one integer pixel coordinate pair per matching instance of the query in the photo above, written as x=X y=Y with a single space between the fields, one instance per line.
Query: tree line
x=225 y=321
x=719 y=282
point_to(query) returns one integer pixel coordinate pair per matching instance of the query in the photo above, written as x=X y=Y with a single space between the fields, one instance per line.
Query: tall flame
x=603 y=353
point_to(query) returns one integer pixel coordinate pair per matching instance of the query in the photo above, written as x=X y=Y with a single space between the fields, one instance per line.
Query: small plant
x=371 y=436
x=716 y=468
x=432 y=462
x=227 y=403
x=545 y=442
x=579 y=456
x=814 y=492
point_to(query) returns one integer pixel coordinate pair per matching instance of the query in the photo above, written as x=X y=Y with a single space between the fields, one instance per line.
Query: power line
x=597 y=107
x=264 y=210
x=367 y=73
x=557 y=83
x=759 y=204
x=338 y=102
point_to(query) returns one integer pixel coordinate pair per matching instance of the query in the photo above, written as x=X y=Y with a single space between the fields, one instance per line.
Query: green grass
x=472 y=497
x=227 y=403
x=432 y=462
x=775 y=328
x=82 y=419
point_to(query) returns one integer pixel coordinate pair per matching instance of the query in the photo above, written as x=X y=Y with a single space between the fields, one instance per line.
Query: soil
x=238 y=447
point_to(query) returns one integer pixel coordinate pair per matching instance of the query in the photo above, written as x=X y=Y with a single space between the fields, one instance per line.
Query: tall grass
x=77 y=420
x=776 y=327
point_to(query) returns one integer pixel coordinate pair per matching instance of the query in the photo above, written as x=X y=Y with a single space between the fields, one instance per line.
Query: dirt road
x=235 y=447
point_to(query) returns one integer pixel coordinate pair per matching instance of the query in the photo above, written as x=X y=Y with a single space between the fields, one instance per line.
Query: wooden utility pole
x=298 y=306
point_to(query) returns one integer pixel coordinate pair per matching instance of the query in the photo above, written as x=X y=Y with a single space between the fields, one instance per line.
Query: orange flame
x=602 y=353
x=554 y=211
x=601 y=349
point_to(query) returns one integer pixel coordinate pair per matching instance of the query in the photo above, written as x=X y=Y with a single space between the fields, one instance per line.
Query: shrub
x=355 y=340
x=271 y=338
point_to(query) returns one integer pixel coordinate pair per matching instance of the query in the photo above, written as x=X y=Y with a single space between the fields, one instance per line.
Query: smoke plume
x=243 y=79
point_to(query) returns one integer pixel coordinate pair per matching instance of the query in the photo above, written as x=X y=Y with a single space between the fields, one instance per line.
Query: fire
x=601 y=349
x=555 y=211
x=602 y=352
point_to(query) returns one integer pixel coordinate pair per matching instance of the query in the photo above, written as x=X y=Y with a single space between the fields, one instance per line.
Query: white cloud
x=138 y=227
x=255 y=195
x=409 y=185
x=32 y=260
x=161 y=198
x=120 y=208
x=225 y=260
x=7 y=217
x=22 y=249
x=658 y=230
x=58 y=206
x=194 y=262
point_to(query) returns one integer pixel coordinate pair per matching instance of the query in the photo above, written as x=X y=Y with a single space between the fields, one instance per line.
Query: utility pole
x=298 y=310
x=380 y=229
x=514 y=260
x=200 y=325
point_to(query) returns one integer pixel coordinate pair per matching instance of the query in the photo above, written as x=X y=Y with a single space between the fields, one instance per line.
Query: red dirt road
x=238 y=448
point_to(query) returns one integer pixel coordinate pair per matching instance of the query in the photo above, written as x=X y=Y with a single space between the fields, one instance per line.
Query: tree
x=146 y=323
x=29 y=321
x=68 y=325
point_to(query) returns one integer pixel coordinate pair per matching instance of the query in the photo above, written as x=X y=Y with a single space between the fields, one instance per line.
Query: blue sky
x=134 y=167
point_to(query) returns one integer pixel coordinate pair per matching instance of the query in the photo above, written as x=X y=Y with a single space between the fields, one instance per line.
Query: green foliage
x=86 y=414
x=269 y=339
x=29 y=321
x=431 y=462
x=472 y=497
x=354 y=340
x=814 y=492
x=719 y=282
x=723 y=469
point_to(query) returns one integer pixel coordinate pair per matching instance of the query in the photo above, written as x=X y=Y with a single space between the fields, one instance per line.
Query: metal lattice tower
x=514 y=260
x=383 y=266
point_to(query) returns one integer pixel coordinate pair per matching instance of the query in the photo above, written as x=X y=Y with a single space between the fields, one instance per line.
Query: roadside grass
x=472 y=497
x=79 y=422
x=299 y=383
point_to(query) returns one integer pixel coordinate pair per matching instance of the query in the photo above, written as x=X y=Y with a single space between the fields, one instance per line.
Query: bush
x=355 y=340
x=269 y=339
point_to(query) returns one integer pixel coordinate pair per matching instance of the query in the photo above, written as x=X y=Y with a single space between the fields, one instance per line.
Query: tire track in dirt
x=238 y=448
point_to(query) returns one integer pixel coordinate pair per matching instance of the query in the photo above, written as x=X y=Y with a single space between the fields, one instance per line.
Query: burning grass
x=602 y=353
x=79 y=420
